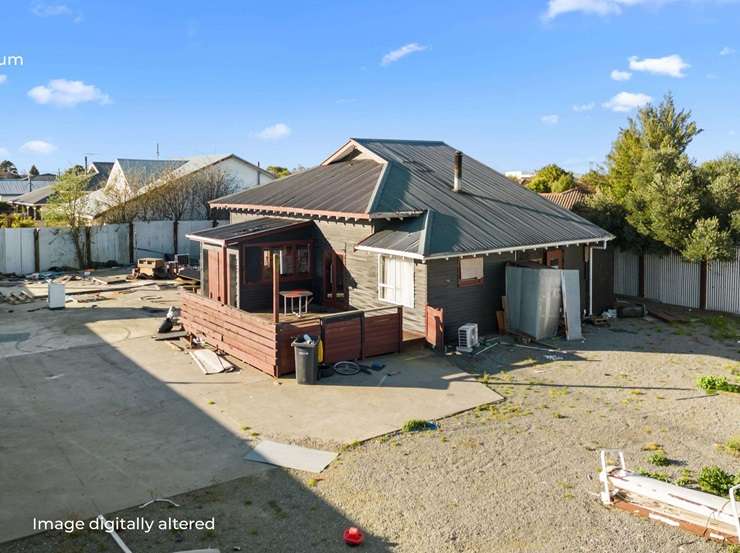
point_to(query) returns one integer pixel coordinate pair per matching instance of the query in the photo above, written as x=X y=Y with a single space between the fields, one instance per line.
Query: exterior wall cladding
x=435 y=282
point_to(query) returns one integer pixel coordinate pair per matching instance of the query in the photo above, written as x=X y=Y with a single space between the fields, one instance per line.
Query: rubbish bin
x=306 y=365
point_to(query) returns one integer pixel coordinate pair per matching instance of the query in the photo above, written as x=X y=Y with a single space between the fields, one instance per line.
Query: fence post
x=703 y=285
x=174 y=238
x=399 y=311
x=36 y=251
x=88 y=247
x=131 y=242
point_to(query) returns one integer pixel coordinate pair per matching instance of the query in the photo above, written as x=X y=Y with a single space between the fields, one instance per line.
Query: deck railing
x=348 y=335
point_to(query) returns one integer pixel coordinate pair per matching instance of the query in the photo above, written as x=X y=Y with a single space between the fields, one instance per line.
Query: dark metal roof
x=490 y=213
x=343 y=187
x=238 y=231
x=376 y=179
x=36 y=197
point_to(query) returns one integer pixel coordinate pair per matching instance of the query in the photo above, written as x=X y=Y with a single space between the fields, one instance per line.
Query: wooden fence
x=351 y=335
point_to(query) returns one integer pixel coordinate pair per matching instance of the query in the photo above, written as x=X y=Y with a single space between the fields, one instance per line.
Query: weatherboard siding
x=467 y=304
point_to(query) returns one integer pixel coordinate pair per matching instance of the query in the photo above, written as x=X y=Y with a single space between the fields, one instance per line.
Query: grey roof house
x=395 y=222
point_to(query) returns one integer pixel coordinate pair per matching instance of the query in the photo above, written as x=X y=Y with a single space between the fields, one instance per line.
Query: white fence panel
x=17 y=251
x=671 y=279
x=153 y=239
x=626 y=273
x=192 y=247
x=109 y=243
x=723 y=285
x=56 y=249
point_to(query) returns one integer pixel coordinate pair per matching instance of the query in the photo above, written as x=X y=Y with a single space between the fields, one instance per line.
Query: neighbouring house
x=570 y=199
x=387 y=223
x=32 y=203
x=10 y=189
x=137 y=179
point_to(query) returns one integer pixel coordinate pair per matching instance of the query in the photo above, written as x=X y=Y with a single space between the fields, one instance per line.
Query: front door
x=335 y=294
x=215 y=291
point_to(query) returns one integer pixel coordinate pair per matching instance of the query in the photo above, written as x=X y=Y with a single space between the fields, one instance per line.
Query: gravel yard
x=520 y=475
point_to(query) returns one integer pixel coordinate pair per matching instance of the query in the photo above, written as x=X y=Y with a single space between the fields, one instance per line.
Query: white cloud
x=672 y=66
x=627 y=101
x=550 y=119
x=64 y=93
x=618 y=75
x=274 y=132
x=584 y=107
x=3 y=79
x=402 y=52
x=38 y=147
x=726 y=51
x=594 y=7
x=42 y=9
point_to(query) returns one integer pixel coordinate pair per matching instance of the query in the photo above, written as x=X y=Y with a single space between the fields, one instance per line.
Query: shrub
x=415 y=425
x=659 y=459
x=715 y=480
x=713 y=383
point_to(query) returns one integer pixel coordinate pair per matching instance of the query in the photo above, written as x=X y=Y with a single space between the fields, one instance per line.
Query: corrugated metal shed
x=238 y=231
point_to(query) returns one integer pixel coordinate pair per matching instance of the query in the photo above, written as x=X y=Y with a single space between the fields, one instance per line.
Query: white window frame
x=397 y=292
x=466 y=280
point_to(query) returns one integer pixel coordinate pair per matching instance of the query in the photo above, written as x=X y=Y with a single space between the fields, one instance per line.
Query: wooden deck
x=256 y=340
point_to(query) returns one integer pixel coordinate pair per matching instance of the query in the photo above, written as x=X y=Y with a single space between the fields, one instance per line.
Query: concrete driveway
x=98 y=417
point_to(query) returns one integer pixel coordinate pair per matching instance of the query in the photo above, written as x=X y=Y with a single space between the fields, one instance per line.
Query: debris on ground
x=209 y=362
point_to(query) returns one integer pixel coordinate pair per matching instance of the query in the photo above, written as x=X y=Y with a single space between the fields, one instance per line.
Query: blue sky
x=287 y=82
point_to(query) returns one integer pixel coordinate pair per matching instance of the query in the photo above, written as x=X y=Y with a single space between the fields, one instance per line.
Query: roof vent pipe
x=457 y=170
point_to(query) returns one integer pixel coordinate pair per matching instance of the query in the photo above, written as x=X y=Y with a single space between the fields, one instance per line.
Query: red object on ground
x=353 y=536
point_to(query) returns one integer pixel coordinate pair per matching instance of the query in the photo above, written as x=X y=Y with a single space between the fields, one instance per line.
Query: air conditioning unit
x=467 y=337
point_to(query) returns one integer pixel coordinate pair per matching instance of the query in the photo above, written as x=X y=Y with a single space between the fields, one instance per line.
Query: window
x=471 y=271
x=204 y=271
x=396 y=280
x=233 y=258
x=295 y=262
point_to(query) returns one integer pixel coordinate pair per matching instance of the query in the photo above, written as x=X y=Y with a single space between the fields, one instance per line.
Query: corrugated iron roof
x=343 y=187
x=16 y=187
x=36 y=197
x=237 y=231
x=409 y=177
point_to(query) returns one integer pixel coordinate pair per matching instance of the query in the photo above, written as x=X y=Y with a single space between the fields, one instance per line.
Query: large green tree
x=8 y=169
x=664 y=198
x=551 y=178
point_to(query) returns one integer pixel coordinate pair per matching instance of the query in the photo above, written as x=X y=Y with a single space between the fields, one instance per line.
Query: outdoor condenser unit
x=467 y=337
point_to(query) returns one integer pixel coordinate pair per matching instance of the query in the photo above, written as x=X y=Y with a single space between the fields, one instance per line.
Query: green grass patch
x=662 y=476
x=732 y=446
x=722 y=327
x=417 y=425
x=713 y=384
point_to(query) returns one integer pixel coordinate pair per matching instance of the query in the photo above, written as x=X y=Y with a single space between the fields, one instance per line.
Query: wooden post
x=399 y=311
x=88 y=246
x=131 y=243
x=276 y=288
x=36 y=251
x=174 y=238
x=703 y=285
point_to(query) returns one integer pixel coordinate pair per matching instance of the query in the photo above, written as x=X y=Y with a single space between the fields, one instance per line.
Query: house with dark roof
x=379 y=223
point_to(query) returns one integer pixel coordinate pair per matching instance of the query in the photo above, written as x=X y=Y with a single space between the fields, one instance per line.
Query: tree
x=708 y=241
x=207 y=185
x=67 y=207
x=279 y=171
x=593 y=180
x=33 y=171
x=551 y=178
x=8 y=169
